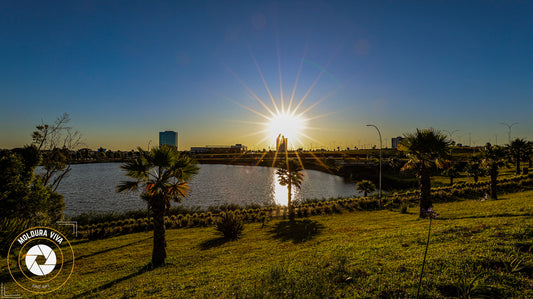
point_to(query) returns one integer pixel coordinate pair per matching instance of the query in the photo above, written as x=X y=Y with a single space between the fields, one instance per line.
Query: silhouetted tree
x=494 y=157
x=518 y=151
x=55 y=141
x=475 y=170
x=290 y=174
x=22 y=193
x=366 y=187
x=424 y=149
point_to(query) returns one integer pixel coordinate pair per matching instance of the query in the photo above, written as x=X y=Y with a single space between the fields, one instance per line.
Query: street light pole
x=509 y=126
x=380 y=148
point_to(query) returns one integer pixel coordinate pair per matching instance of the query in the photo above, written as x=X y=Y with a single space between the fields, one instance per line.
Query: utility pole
x=509 y=126
x=380 y=148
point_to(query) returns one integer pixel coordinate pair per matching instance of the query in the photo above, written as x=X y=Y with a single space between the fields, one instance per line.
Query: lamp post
x=509 y=126
x=380 y=148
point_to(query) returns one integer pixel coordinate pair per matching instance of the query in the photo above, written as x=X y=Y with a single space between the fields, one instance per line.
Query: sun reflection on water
x=279 y=192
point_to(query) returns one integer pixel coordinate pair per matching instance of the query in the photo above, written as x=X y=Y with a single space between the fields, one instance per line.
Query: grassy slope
x=357 y=254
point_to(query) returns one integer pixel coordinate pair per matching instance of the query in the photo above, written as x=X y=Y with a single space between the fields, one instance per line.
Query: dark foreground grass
x=477 y=249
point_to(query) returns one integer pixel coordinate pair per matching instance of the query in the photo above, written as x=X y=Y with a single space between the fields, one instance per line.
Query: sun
x=287 y=124
x=288 y=116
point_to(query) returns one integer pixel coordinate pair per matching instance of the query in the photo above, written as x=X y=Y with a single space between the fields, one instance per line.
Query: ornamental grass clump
x=230 y=225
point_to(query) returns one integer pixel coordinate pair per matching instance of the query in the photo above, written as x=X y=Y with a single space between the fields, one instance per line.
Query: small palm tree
x=425 y=148
x=163 y=173
x=474 y=169
x=494 y=157
x=518 y=150
x=366 y=187
x=290 y=174
x=451 y=170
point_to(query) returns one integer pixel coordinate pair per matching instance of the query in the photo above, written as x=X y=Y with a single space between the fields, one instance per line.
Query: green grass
x=476 y=248
x=505 y=172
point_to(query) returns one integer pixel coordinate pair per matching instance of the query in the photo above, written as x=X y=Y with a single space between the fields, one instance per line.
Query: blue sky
x=125 y=70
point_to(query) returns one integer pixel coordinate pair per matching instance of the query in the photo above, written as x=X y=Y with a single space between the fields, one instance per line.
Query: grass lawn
x=504 y=172
x=477 y=248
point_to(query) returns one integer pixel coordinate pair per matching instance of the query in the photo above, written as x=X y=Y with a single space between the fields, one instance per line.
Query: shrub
x=9 y=229
x=403 y=208
x=184 y=222
x=230 y=225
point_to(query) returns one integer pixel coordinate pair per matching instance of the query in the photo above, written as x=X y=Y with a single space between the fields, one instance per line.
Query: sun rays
x=287 y=114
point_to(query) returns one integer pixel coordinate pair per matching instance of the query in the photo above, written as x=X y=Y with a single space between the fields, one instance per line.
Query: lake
x=91 y=187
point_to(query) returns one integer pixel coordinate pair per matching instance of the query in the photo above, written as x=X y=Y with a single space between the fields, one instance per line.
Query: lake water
x=91 y=187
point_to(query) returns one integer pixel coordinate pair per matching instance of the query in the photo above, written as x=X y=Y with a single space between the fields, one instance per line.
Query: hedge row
x=441 y=194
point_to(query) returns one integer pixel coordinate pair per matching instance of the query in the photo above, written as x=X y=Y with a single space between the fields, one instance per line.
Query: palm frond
x=127 y=186
x=136 y=168
x=410 y=165
x=178 y=191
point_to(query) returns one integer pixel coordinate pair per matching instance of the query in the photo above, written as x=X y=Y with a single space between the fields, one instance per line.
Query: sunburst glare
x=288 y=118
x=287 y=124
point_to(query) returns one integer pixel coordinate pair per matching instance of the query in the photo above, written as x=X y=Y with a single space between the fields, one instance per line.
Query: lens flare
x=286 y=124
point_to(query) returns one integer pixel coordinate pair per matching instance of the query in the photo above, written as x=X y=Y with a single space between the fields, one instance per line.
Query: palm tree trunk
x=517 y=164
x=425 y=190
x=289 y=202
x=493 y=183
x=159 y=252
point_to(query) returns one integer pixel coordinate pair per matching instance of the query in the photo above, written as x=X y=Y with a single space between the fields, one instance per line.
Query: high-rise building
x=281 y=143
x=396 y=141
x=168 y=138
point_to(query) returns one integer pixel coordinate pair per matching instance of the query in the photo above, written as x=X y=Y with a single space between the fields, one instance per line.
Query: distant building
x=281 y=143
x=219 y=149
x=396 y=141
x=168 y=138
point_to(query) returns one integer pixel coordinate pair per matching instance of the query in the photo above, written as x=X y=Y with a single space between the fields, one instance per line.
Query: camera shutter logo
x=40 y=260
x=33 y=265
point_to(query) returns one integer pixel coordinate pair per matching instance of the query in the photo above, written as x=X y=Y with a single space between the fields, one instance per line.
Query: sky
x=211 y=70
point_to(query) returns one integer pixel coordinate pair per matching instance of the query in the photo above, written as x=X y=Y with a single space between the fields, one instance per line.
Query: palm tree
x=529 y=153
x=290 y=174
x=518 y=150
x=163 y=173
x=451 y=170
x=424 y=149
x=474 y=169
x=494 y=157
x=395 y=164
x=366 y=187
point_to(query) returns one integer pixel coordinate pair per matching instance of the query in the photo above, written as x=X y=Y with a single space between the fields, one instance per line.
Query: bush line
x=391 y=201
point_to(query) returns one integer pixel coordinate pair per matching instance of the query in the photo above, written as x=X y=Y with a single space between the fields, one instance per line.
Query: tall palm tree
x=494 y=157
x=424 y=149
x=518 y=150
x=366 y=186
x=163 y=173
x=474 y=169
x=290 y=174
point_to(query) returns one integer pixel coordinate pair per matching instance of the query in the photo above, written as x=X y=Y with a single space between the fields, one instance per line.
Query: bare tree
x=55 y=141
